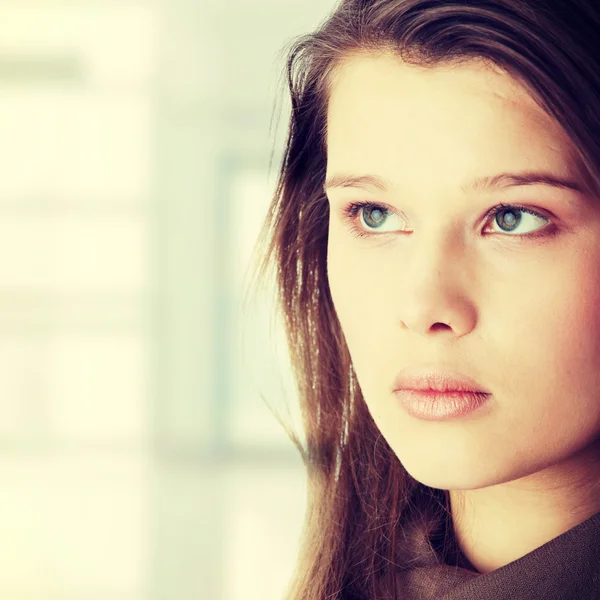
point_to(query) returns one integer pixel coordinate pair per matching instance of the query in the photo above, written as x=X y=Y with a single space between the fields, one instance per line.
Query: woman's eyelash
x=353 y=208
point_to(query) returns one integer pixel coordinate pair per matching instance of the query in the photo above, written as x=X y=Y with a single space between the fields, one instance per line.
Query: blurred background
x=139 y=144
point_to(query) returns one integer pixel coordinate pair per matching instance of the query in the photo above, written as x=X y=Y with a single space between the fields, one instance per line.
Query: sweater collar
x=566 y=567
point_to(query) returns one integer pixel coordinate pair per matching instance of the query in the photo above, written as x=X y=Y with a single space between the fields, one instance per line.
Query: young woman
x=436 y=227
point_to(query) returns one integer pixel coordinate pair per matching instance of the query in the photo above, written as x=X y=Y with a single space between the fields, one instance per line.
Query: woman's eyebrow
x=500 y=181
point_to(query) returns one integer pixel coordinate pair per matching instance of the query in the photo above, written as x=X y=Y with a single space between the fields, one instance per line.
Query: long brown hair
x=366 y=516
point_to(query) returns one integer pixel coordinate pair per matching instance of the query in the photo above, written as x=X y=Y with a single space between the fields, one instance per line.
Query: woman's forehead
x=372 y=88
x=383 y=115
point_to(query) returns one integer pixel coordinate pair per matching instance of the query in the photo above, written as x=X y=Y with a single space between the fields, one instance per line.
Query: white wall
x=137 y=459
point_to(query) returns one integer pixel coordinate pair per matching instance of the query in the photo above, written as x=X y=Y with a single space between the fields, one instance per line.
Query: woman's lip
x=434 y=392
x=440 y=406
x=437 y=379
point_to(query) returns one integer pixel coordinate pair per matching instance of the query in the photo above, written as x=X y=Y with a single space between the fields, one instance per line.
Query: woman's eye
x=375 y=217
x=511 y=220
x=372 y=218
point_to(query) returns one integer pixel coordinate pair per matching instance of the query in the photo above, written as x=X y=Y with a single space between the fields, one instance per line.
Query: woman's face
x=435 y=282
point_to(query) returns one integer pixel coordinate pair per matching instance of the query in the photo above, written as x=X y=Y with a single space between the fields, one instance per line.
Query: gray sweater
x=565 y=568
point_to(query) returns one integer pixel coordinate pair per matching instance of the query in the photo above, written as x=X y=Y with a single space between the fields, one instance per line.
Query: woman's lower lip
x=439 y=406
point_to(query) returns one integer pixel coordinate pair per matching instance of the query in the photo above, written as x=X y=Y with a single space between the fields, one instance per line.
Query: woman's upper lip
x=438 y=379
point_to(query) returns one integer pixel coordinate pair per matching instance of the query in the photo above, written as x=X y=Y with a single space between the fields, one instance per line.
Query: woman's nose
x=434 y=295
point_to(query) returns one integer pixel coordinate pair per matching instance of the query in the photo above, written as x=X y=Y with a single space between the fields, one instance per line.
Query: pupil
x=375 y=215
x=510 y=220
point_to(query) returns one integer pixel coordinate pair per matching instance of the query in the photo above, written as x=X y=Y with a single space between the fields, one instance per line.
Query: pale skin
x=437 y=283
